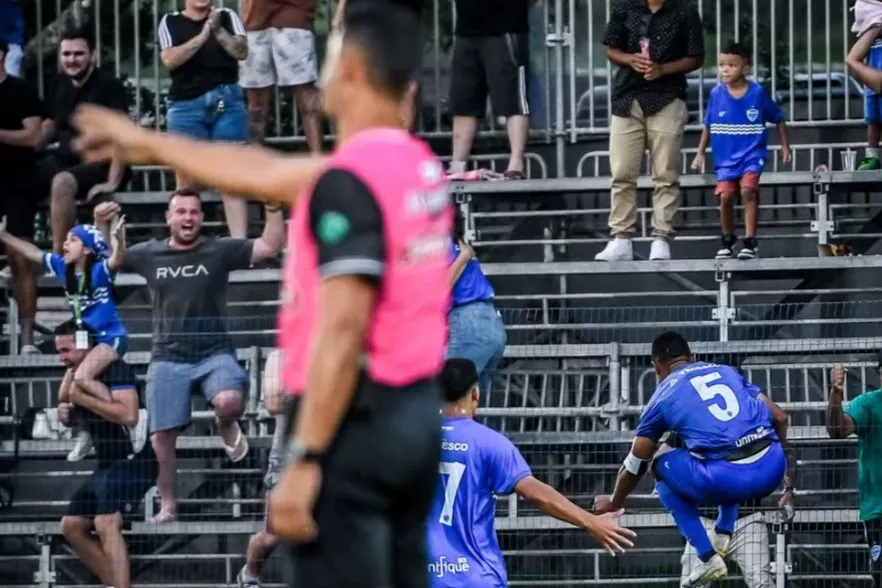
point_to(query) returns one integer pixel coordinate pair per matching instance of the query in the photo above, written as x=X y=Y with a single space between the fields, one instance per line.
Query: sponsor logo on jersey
x=453 y=446
x=444 y=566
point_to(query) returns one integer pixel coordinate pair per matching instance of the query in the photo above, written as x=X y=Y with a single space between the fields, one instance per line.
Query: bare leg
x=109 y=528
x=307 y=98
x=77 y=531
x=164 y=446
x=62 y=208
x=236 y=213
x=751 y=213
x=97 y=360
x=727 y=213
x=24 y=285
x=464 y=130
x=518 y=127
x=258 y=106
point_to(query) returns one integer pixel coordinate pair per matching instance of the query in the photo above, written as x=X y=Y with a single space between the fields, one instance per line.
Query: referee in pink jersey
x=365 y=297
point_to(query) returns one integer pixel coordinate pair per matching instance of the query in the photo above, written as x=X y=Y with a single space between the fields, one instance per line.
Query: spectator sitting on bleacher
x=61 y=173
x=87 y=273
x=126 y=465
x=187 y=275
x=862 y=417
x=20 y=116
x=264 y=542
x=735 y=125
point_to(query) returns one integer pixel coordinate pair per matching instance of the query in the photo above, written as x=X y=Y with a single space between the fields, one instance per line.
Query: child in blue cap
x=87 y=270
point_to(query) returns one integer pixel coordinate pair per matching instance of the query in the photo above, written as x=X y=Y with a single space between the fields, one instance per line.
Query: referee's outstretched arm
x=603 y=527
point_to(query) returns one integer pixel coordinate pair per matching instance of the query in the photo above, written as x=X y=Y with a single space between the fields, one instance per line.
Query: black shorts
x=873 y=534
x=378 y=483
x=115 y=489
x=18 y=203
x=490 y=65
x=87 y=175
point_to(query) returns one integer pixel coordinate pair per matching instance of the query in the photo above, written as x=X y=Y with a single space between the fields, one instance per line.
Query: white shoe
x=29 y=350
x=138 y=433
x=705 y=573
x=82 y=447
x=243 y=580
x=660 y=250
x=618 y=249
x=721 y=544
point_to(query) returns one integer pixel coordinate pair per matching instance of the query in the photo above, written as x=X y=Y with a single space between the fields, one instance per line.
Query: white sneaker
x=82 y=447
x=244 y=580
x=618 y=249
x=30 y=350
x=660 y=250
x=138 y=433
x=721 y=544
x=705 y=573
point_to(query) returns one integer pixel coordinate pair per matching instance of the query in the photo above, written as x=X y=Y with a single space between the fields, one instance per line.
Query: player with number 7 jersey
x=477 y=464
x=733 y=435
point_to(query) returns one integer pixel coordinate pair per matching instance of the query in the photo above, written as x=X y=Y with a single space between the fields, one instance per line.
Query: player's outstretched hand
x=608 y=533
x=603 y=505
x=105 y=134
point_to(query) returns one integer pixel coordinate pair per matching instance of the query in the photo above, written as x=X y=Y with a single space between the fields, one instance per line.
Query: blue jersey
x=874 y=60
x=98 y=309
x=12 y=22
x=739 y=138
x=712 y=408
x=477 y=463
x=472 y=285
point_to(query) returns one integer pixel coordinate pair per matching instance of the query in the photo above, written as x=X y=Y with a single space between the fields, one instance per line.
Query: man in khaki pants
x=655 y=43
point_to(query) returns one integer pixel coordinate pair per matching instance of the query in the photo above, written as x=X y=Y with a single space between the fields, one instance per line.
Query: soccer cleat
x=81 y=448
x=705 y=573
x=618 y=249
x=243 y=580
x=721 y=545
x=660 y=250
x=870 y=164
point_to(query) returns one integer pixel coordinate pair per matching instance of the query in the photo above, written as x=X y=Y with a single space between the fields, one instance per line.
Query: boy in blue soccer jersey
x=735 y=127
x=733 y=435
x=873 y=109
x=477 y=463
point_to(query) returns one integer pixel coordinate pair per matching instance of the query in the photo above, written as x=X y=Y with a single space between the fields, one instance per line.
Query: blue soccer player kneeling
x=733 y=435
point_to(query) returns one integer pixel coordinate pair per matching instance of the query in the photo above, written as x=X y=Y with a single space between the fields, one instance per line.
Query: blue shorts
x=119 y=343
x=477 y=333
x=171 y=384
x=873 y=108
x=115 y=489
x=217 y=115
x=718 y=482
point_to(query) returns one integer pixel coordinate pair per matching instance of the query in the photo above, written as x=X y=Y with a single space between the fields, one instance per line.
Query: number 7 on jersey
x=454 y=471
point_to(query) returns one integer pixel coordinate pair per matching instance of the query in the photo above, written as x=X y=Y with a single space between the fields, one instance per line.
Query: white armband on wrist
x=635 y=465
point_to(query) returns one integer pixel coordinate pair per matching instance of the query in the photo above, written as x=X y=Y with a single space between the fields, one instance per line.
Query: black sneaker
x=727 y=250
x=749 y=250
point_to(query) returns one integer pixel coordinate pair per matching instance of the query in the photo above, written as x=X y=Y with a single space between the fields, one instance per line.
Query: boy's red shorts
x=747 y=182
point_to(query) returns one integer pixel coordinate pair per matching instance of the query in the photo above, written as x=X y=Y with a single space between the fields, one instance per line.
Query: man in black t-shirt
x=126 y=466
x=20 y=117
x=202 y=46
x=61 y=173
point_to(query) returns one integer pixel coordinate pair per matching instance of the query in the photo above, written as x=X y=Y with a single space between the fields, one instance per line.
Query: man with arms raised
x=368 y=270
x=733 y=435
x=477 y=464
x=187 y=275
x=126 y=466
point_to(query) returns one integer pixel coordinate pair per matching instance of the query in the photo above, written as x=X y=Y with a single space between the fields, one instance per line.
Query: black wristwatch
x=297 y=452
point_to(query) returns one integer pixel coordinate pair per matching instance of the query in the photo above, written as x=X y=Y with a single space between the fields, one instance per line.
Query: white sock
x=456 y=167
x=873 y=152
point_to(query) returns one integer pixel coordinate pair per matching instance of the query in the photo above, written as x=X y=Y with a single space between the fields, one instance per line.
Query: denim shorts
x=477 y=333
x=217 y=115
x=171 y=384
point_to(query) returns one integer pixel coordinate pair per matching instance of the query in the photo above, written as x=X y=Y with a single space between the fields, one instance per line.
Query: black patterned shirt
x=674 y=32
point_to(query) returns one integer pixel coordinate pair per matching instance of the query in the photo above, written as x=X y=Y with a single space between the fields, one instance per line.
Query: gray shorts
x=170 y=386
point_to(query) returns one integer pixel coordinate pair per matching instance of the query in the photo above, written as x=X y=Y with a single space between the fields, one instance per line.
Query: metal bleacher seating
x=575 y=378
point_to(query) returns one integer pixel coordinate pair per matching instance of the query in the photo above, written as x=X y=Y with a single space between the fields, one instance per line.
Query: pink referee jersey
x=380 y=210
